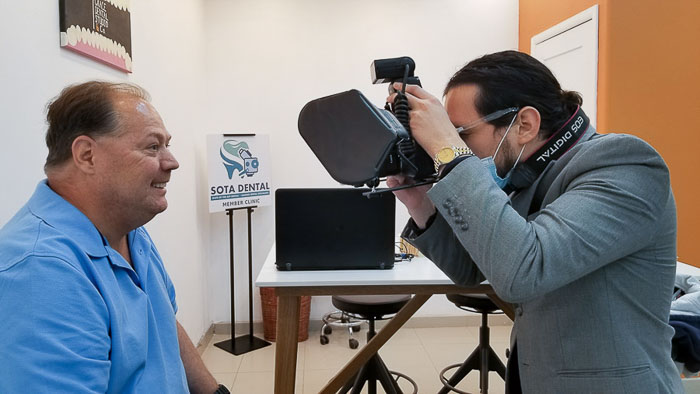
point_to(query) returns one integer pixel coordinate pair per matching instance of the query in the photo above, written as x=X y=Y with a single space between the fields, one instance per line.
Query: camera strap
x=559 y=143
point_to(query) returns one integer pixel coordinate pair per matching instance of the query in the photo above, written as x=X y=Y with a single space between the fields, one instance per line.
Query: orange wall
x=648 y=85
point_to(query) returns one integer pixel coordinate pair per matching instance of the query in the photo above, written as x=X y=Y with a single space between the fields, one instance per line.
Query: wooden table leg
x=506 y=307
x=371 y=348
x=288 y=310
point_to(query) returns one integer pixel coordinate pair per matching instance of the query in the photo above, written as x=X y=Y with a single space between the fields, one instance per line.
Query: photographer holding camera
x=577 y=229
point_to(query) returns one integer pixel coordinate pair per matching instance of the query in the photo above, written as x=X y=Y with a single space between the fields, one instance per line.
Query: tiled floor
x=420 y=353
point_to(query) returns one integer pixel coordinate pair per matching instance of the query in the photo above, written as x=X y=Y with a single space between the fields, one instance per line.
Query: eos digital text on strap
x=559 y=143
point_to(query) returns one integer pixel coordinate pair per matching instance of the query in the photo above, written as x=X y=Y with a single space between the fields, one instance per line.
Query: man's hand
x=415 y=199
x=430 y=125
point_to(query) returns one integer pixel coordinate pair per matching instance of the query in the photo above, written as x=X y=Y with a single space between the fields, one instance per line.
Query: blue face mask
x=490 y=164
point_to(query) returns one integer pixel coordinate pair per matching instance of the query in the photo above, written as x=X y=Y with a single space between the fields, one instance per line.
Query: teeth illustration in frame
x=100 y=29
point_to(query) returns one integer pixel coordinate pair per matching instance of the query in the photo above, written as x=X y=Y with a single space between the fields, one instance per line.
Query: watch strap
x=458 y=151
x=412 y=231
x=452 y=164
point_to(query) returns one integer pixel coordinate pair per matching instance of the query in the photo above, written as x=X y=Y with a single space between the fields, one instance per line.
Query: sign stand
x=244 y=343
x=239 y=179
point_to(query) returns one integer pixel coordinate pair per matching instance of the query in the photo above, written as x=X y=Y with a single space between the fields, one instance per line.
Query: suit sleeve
x=439 y=244
x=54 y=325
x=611 y=197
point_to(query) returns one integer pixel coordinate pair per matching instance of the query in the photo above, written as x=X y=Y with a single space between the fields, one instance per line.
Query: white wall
x=267 y=58
x=168 y=62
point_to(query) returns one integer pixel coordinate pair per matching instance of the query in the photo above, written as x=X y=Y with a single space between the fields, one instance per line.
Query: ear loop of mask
x=504 y=137
x=518 y=159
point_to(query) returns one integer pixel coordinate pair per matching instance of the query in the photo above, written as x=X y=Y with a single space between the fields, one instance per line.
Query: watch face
x=445 y=155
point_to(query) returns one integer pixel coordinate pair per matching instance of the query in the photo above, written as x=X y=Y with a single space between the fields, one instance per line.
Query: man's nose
x=169 y=161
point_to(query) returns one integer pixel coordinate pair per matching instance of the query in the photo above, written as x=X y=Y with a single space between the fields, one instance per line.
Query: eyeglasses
x=487 y=118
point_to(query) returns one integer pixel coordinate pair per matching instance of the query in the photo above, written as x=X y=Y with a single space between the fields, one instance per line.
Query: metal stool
x=372 y=308
x=483 y=358
x=342 y=320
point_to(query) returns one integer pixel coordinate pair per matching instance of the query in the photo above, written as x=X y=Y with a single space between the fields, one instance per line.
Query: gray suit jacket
x=587 y=254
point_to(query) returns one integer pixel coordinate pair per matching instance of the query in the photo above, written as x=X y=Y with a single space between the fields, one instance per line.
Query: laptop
x=333 y=229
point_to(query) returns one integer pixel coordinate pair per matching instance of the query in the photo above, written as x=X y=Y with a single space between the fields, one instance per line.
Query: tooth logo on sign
x=238 y=159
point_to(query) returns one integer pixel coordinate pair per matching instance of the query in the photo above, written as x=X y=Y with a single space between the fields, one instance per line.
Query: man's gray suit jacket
x=587 y=254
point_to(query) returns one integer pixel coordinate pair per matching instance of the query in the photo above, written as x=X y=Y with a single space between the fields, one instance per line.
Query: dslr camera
x=359 y=143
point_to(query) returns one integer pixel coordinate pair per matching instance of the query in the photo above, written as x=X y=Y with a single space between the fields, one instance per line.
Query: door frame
x=589 y=15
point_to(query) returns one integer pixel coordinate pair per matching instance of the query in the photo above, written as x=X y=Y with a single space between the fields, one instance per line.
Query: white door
x=570 y=50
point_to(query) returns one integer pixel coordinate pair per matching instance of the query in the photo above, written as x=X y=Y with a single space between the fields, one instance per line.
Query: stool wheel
x=339 y=319
x=354 y=344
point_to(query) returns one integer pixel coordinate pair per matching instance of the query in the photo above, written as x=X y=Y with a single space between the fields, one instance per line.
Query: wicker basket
x=269 y=308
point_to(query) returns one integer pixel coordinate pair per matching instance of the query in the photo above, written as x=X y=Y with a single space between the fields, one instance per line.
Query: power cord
x=403 y=254
x=398 y=257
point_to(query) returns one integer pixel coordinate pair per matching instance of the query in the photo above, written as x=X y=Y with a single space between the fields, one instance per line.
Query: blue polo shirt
x=74 y=316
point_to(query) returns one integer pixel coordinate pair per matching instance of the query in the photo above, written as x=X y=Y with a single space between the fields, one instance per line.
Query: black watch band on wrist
x=411 y=231
x=222 y=390
x=445 y=169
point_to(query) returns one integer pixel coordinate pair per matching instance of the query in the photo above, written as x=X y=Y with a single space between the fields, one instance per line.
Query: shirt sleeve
x=54 y=325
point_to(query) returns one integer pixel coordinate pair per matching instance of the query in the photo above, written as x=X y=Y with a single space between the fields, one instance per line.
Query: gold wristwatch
x=448 y=153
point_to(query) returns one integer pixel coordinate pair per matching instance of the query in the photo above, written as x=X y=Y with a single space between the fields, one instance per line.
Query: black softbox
x=351 y=137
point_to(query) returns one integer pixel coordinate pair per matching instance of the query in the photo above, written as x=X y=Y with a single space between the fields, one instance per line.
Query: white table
x=419 y=276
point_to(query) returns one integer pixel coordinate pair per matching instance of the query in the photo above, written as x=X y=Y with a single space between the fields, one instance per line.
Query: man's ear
x=84 y=149
x=529 y=122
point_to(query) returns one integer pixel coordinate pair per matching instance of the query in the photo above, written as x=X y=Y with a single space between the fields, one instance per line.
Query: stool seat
x=374 y=306
x=480 y=302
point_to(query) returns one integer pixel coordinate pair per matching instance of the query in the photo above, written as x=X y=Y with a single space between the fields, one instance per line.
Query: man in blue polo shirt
x=86 y=305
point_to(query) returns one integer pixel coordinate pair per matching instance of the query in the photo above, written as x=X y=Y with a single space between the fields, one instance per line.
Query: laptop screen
x=338 y=228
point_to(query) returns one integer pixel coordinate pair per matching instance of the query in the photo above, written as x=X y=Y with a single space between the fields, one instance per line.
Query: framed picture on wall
x=100 y=29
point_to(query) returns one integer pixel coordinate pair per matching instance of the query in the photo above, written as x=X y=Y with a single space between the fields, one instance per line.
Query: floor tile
x=419 y=353
x=225 y=378
x=316 y=379
x=220 y=361
x=470 y=383
x=262 y=360
x=405 y=336
x=216 y=338
x=400 y=356
x=334 y=355
x=426 y=379
x=447 y=335
x=261 y=382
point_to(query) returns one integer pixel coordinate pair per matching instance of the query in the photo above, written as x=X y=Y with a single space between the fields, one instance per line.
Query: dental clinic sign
x=239 y=171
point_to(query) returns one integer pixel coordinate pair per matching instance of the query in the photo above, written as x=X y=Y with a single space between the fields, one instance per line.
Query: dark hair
x=83 y=109
x=515 y=79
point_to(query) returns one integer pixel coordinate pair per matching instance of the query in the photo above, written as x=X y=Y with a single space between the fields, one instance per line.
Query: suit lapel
x=522 y=202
